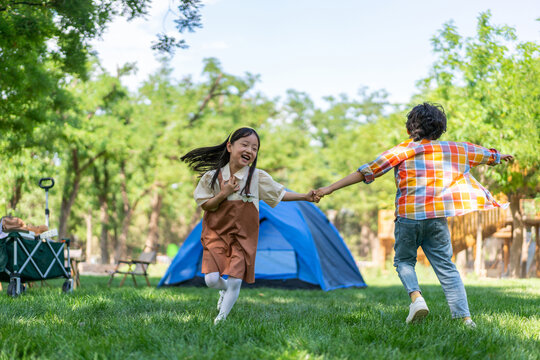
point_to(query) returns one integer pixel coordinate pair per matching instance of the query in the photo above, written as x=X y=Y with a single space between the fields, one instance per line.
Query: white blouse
x=262 y=187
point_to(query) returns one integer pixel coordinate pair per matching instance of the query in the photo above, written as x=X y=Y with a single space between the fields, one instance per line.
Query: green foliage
x=488 y=86
x=43 y=44
x=69 y=119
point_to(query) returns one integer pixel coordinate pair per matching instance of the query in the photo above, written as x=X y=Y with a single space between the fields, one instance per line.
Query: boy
x=433 y=182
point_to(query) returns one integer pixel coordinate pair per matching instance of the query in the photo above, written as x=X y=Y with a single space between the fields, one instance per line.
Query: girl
x=229 y=192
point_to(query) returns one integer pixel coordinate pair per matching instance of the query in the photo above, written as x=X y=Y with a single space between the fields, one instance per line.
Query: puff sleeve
x=203 y=191
x=270 y=192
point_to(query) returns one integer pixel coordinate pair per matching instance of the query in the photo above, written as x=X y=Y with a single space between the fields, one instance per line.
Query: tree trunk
x=89 y=236
x=121 y=246
x=16 y=192
x=102 y=184
x=103 y=241
x=68 y=199
x=514 y=268
x=152 y=240
x=128 y=209
x=114 y=243
x=69 y=193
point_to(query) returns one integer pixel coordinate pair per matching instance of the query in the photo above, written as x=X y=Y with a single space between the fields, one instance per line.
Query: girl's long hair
x=215 y=157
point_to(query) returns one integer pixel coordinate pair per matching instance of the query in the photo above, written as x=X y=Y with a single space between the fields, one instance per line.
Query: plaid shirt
x=433 y=178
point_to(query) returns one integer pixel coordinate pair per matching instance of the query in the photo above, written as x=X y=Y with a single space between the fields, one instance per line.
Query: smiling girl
x=229 y=192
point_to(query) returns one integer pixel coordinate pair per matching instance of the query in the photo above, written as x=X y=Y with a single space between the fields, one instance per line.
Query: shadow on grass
x=176 y=322
x=483 y=299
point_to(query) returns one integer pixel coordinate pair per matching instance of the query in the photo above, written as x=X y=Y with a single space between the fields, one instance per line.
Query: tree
x=43 y=44
x=488 y=85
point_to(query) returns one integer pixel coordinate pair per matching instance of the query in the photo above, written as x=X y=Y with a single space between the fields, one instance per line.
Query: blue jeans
x=434 y=238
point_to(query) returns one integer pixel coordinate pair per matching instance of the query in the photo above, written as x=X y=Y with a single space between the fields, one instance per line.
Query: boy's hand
x=320 y=192
x=312 y=196
x=230 y=186
x=507 y=157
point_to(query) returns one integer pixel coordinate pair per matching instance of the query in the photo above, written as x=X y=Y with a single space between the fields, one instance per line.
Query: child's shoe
x=418 y=310
x=221 y=295
x=469 y=323
x=219 y=319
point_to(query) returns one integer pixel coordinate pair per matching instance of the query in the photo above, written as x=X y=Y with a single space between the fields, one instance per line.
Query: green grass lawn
x=96 y=322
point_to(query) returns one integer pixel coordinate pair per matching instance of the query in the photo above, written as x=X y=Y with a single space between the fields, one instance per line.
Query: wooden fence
x=466 y=231
x=470 y=230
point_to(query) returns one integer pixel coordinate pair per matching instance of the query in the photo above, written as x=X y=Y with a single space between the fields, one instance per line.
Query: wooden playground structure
x=468 y=232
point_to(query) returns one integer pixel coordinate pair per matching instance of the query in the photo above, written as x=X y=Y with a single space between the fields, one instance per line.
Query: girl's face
x=243 y=151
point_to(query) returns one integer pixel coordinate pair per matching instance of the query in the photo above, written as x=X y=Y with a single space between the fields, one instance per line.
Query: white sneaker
x=469 y=323
x=221 y=295
x=418 y=310
x=219 y=319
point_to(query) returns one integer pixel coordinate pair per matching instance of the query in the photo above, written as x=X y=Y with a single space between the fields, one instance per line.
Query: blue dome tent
x=298 y=247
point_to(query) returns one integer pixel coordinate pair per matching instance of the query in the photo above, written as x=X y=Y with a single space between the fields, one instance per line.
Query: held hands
x=230 y=186
x=311 y=197
x=320 y=193
x=317 y=195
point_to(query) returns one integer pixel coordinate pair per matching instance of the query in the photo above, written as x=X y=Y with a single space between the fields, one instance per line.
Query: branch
x=90 y=161
x=130 y=208
x=208 y=97
x=75 y=158
x=143 y=194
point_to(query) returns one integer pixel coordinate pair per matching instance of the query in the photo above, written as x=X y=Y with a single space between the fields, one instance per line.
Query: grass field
x=96 y=322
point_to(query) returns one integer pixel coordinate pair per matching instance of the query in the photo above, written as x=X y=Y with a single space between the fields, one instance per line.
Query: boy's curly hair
x=426 y=121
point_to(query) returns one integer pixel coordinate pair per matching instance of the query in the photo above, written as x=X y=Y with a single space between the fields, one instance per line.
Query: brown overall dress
x=229 y=238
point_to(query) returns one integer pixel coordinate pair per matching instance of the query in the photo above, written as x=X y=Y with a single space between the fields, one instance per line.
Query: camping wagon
x=27 y=256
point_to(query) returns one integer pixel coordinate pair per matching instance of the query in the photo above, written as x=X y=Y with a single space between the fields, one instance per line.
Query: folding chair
x=137 y=267
x=77 y=257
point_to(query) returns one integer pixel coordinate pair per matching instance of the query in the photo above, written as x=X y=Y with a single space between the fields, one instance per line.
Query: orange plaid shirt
x=433 y=178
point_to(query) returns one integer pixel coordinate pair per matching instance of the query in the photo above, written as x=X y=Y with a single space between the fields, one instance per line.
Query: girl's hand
x=312 y=196
x=230 y=186
x=507 y=157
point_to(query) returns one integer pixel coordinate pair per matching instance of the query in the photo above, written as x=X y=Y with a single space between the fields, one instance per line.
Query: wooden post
x=382 y=255
x=89 y=246
x=537 y=252
x=479 y=256
x=461 y=262
x=524 y=252
x=506 y=254
x=385 y=234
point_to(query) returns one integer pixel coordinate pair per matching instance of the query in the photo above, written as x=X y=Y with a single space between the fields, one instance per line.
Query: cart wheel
x=66 y=287
x=12 y=290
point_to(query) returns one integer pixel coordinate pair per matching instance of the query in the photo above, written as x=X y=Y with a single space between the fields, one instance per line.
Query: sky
x=318 y=47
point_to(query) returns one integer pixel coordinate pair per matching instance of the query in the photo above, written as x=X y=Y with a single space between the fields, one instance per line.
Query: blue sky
x=319 y=47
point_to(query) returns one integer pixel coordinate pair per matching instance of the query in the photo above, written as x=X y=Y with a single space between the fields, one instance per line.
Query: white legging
x=232 y=290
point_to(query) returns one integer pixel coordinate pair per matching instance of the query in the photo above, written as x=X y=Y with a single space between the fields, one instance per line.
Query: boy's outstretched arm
x=479 y=155
x=350 y=179
x=368 y=172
